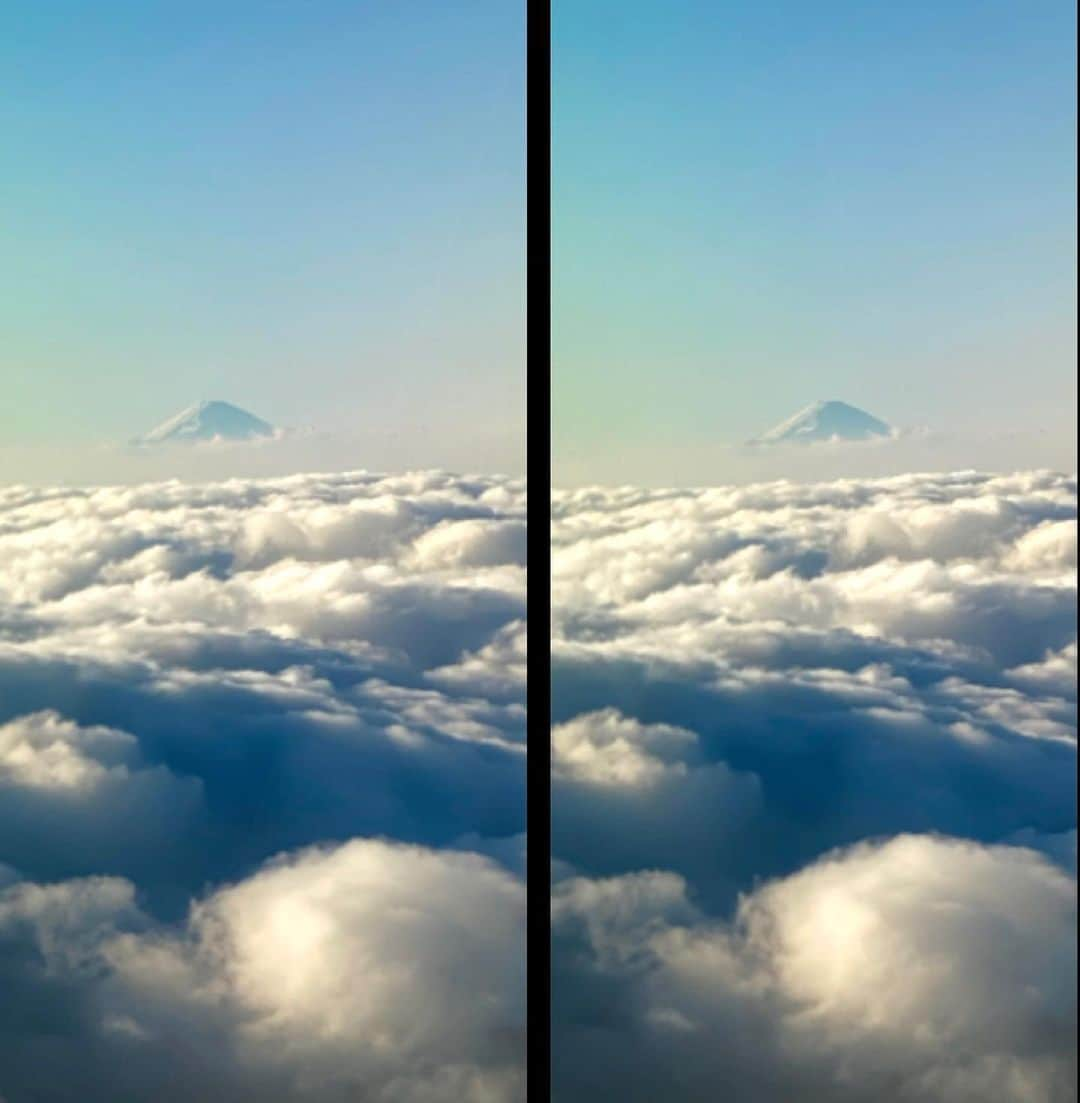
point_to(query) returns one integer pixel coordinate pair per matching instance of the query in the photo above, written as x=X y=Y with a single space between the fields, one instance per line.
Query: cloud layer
x=814 y=791
x=262 y=790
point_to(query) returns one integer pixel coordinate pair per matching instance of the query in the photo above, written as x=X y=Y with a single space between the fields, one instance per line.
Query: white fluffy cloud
x=918 y=969
x=262 y=790
x=370 y=970
x=813 y=791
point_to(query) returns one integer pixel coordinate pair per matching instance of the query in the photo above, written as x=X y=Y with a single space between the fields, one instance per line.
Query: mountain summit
x=825 y=421
x=209 y=421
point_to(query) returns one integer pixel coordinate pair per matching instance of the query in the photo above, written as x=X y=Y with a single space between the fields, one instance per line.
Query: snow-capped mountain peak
x=209 y=421
x=825 y=421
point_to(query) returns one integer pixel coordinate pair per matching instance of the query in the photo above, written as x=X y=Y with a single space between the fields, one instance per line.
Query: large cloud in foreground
x=262 y=790
x=813 y=783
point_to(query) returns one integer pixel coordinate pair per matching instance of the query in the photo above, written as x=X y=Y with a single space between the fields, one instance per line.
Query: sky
x=756 y=206
x=315 y=211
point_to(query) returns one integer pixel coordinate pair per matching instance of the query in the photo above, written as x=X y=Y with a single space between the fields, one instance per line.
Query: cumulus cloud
x=814 y=790
x=262 y=790
x=371 y=970
x=73 y=799
x=917 y=969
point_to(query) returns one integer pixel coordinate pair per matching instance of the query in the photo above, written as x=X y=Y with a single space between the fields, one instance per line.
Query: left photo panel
x=263 y=553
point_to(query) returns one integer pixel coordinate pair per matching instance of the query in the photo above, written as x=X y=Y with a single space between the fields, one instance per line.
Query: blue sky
x=313 y=210
x=759 y=205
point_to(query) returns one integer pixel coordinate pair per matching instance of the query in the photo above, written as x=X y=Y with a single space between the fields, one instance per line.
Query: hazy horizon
x=294 y=450
x=666 y=461
x=660 y=461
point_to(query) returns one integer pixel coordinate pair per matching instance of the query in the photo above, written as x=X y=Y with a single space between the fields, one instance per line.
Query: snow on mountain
x=209 y=421
x=826 y=421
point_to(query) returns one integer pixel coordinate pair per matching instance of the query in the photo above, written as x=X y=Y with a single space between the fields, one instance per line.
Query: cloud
x=370 y=970
x=262 y=780
x=917 y=969
x=814 y=790
x=74 y=799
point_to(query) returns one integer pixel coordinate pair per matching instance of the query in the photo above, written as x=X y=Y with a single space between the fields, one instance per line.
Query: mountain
x=824 y=421
x=209 y=421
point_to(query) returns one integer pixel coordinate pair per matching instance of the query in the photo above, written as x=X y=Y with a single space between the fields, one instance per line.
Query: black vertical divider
x=538 y=469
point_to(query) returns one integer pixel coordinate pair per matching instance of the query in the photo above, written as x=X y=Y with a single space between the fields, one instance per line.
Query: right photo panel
x=814 y=538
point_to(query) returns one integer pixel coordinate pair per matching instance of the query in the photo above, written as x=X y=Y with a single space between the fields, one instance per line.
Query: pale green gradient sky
x=759 y=205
